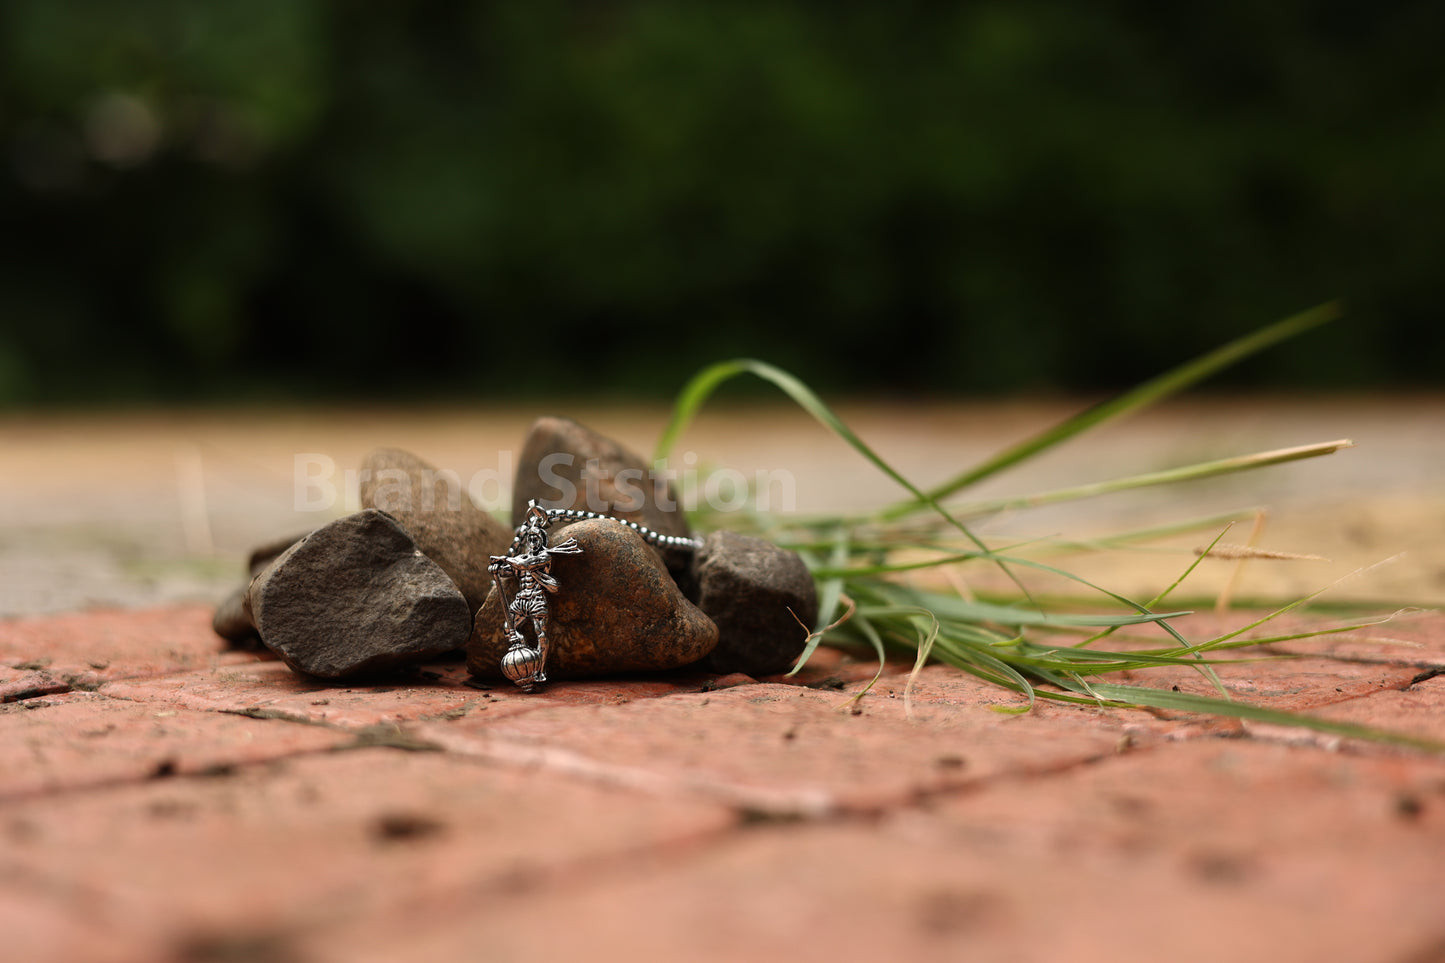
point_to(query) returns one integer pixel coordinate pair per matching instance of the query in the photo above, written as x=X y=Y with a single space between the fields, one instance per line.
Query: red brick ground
x=162 y=800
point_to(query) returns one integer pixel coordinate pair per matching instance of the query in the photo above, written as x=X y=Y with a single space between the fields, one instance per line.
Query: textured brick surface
x=271 y=690
x=1204 y=851
x=41 y=921
x=244 y=859
x=85 y=649
x=17 y=684
x=779 y=748
x=80 y=739
x=1418 y=710
x=207 y=807
x=1290 y=684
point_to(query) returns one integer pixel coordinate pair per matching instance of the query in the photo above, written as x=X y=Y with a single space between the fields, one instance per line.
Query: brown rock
x=356 y=597
x=566 y=465
x=616 y=610
x=752 y=589
x=440 y=515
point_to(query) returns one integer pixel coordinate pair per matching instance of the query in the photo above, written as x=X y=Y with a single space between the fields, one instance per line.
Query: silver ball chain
x=577 y=514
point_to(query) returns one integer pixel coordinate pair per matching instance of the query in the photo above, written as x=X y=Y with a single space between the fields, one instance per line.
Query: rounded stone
x=567 y=465
x=357 y=597
x=616 y=610
x=752 y=589
x=435 y=507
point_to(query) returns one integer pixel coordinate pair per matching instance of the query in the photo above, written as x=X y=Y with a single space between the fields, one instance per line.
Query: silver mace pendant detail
x=529 y=563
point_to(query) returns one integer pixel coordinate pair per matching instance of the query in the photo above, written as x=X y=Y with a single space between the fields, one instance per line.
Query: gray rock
x=748 y=586
x=357 y=597
x=616 y=610
x=232 y=621
x=438 y=512
x=566 y=465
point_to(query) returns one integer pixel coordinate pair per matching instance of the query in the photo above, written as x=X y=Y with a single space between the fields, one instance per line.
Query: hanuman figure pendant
x=529 y=563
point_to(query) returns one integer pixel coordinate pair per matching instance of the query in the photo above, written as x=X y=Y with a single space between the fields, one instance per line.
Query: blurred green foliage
x=246 y=198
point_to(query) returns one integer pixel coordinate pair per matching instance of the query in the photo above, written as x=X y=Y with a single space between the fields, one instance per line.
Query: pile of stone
x=406 y=579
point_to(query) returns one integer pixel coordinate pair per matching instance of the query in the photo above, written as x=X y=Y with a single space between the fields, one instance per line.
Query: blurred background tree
x=245 y=199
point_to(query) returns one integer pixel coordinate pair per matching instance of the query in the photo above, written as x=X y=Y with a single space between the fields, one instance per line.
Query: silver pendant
x=528 y=563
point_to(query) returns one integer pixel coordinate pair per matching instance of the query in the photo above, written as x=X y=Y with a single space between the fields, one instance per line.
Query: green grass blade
x=696 y=392
x=1169 y=476
x=1131 y=695
x=831 y=587
x=970 y=611
x=829 y=598
x=1297 y=603
x=1148 y=393
x=1131 y=537
x=868 y=632
x=1168 y=591
x=985 y=665
x=894 y=568
x=1162 y=620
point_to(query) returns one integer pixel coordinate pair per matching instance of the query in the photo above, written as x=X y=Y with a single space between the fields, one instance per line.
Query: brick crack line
x=363 y=737
x=753 y=803
x=796 y=803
